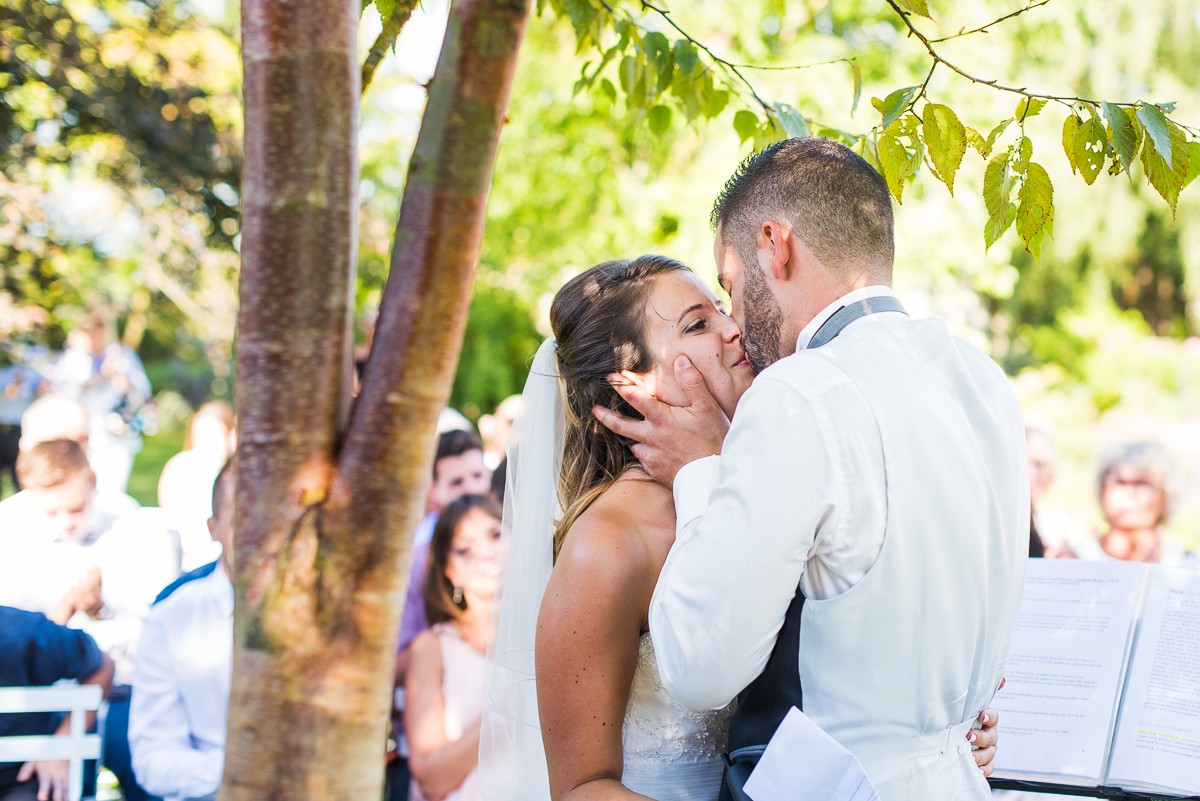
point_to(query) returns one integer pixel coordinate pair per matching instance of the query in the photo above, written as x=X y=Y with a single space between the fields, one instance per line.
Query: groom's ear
x=775 y=249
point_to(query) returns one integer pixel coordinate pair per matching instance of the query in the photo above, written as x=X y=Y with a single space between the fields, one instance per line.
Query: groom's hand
x=670 y=436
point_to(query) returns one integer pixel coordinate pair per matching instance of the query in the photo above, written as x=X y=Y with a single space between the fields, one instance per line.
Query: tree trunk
x=326 y=502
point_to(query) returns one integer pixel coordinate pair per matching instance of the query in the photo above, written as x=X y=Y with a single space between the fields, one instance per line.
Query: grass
x=148 y=465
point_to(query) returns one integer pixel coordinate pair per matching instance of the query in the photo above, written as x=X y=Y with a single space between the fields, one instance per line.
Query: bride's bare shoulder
x=634 y=520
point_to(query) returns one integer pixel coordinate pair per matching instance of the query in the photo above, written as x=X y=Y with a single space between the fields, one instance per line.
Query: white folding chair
x=74 y=699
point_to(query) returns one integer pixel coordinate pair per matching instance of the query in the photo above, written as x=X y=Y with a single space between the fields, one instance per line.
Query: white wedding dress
x=671 y=753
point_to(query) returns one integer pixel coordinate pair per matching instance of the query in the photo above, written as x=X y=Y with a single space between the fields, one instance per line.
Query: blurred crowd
x=97 y=589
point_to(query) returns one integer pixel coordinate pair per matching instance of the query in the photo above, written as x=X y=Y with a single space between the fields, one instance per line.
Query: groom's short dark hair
x=834 y=200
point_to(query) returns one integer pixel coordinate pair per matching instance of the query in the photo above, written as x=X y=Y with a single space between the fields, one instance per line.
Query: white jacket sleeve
x=165 y=760
x=744 y=534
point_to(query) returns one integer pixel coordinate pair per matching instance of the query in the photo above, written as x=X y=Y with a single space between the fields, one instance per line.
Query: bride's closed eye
x=696 y=326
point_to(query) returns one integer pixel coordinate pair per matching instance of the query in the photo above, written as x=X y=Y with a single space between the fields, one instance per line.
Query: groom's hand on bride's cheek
x=670 y=436
x=985 y=740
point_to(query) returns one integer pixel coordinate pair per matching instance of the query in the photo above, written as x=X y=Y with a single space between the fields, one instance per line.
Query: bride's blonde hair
x=598 y=321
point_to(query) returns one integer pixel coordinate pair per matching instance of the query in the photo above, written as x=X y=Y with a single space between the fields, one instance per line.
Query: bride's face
x=684 y=318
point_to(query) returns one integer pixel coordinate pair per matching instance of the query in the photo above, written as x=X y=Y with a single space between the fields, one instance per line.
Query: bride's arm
x=589 y=628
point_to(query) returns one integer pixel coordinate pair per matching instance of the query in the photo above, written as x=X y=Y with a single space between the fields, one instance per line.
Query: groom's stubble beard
x=763 y=323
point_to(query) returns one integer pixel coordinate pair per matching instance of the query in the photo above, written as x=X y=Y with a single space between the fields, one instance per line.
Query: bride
x=588 y=718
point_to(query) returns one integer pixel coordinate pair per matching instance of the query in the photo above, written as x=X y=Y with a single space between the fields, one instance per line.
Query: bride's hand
x=670 y=436
x=985 y=740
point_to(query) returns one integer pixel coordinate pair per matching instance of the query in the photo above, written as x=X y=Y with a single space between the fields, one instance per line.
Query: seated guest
x=1133 y=483
x=181 y=679
x=36 y=652
x=83 y=565
x=59 y=417
x=445 y=682
x=185 y=485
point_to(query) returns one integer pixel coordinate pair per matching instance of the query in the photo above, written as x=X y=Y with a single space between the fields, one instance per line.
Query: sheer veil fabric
x=512 y=760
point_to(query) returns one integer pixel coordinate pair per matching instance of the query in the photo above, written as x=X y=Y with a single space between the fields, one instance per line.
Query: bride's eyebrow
x=689 y=310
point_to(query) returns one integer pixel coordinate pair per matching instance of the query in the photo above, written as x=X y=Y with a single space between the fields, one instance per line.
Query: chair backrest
x=74 y=699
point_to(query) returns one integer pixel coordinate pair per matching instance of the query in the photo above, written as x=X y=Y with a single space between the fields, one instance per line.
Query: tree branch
x=386 y=40
x=997 y=21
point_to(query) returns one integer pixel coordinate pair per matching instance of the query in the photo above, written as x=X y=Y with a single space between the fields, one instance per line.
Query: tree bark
x=327 y=500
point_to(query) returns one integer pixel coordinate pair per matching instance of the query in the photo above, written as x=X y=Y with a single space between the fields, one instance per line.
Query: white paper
x=1065 y=669
x=1158 y=740
x=803 y=763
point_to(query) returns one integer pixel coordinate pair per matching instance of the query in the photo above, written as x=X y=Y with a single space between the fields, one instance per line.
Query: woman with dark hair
x=597 y=723
x=445 y=681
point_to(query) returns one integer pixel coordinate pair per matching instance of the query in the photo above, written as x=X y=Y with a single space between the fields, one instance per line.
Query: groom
x=857 y=547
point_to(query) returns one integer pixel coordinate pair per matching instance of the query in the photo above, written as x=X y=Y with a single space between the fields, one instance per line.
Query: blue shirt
x=35 y=652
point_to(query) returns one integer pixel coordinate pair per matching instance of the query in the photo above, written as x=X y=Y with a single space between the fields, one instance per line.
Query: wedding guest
x=37 y=652
x=85 y=566
x=185 y=485
x=445 y=679
x=494 y=429
x=54 y=417
x=181 y=679
x=108 y=377
x=1133 y=486
x=20 y=385
x=458 y=470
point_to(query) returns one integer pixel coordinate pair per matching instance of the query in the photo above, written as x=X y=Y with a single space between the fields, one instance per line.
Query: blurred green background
x=120 y=186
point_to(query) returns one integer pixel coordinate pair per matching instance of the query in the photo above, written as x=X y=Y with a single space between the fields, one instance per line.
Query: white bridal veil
x=512 y=761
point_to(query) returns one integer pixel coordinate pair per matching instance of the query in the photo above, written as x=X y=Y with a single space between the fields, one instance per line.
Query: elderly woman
x=1133 y=484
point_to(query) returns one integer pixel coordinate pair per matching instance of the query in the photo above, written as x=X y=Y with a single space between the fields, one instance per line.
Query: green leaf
x=1090 y=148
x=916 y=6
x=856 y=72
x=1193 y=162
x=686 y=59
x=896 y=104
x=1023 y=150
x=1157 y=128
x=947 y=141
x=386 y=8
x=717 y=101
x=658 y=53
x=659 y=119
x=1168 y=178
x=608 y=90
x=745 y=123
x=628 y=73
x=997 y=189
x=1036 y=206
x=996 y=133
x=1070 y=134
x=794 y=124
x=1033 y=104
x=1125 y=138
x=976 y=140
x=869 y=150
x=896 y=164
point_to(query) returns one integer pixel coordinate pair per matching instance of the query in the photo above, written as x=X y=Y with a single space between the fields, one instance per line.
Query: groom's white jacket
x=885 y=475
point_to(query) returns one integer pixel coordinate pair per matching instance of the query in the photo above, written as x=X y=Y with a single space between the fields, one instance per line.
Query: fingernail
x=986 y=717
x=972 y=737
x=683 y=362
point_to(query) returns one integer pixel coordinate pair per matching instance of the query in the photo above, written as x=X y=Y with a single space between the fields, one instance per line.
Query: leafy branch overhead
x=636 y=50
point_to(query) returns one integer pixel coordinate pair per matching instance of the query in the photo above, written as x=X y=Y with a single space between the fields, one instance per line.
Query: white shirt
x=797 y=498
x=136 y=558
x=181 y=690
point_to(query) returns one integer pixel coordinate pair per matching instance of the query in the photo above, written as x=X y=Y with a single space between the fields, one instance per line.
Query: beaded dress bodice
x=671 y=753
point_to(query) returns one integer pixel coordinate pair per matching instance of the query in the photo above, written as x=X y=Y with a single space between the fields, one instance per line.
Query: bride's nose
x=730 y=333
